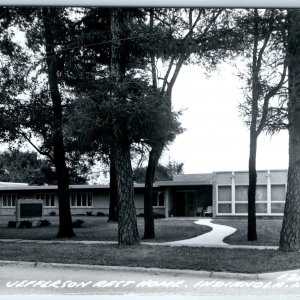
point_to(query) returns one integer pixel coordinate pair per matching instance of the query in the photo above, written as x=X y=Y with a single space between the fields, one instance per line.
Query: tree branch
x=24 y=135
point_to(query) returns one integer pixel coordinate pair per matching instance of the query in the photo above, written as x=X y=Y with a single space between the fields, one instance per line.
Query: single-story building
x=186 y=195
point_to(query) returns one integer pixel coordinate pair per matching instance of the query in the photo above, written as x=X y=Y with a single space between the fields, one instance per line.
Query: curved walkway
x=214 y=237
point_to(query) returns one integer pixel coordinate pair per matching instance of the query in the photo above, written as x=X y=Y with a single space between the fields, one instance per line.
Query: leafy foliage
x=17 y=166
x=265 y=89
x=163 y=172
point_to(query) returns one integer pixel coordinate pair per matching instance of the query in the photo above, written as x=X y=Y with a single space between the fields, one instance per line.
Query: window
x=81 y=200
x=158 y=199
x=241 y=198
x=9 y=200
x=224 y=199
x=48 y=199
x=224 y=208
x=241 y=193
x=278 y=193
x=261 y=193
x=224 y=193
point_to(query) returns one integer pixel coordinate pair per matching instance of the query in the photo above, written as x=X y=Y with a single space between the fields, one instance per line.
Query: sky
x=215 y=138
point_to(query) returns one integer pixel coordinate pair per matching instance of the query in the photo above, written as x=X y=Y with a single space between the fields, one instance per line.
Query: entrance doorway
x=186 y=203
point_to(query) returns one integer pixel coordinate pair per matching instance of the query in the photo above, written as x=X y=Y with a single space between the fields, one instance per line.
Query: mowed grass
x=98 y=229
x=150 y=256
x=268 y=231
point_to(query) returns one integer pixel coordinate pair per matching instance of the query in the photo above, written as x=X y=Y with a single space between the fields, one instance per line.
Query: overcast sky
x=215 y=138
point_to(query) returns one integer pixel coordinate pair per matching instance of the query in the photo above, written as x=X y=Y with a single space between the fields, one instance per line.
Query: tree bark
x=155 y=153
x=62 y=173
x=127 y=224
x=290 y=232
x=113 y=193
x=252 y=235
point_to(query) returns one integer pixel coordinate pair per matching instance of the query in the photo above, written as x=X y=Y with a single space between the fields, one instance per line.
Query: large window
x=81 y=199
x=241 y=199
x=158 y=199
x=224 y=200
x=278 y=193
x=224 y=193
x=49 y=199
x=9 y=200
x=241 y=193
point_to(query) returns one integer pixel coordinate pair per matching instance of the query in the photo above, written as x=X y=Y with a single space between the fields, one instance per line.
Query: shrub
x=43 y=223
x=155 y=215
x=12 y=224
x=52 y=213
x=25 y=224
x=89 y=213
x=100 y=214
x=78 y=223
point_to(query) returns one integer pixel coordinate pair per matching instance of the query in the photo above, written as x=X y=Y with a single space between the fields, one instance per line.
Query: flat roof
x=200 y=179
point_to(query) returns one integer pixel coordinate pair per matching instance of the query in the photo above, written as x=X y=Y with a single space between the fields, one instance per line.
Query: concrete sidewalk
x=214 y=237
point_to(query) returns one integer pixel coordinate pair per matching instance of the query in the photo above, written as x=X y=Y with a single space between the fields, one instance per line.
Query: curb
x=210 y=274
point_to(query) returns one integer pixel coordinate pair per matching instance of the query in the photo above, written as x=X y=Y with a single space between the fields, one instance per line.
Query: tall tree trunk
x=290 y=232
x=252 y=235
x=113 y=192
x=127 y=223
x=155 y=153
x=62 y=173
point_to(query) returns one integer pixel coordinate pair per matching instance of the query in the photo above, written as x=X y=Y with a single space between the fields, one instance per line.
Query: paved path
x=214 y=237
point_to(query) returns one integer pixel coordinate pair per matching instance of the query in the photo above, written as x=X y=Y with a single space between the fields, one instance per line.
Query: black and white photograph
x=149 y=150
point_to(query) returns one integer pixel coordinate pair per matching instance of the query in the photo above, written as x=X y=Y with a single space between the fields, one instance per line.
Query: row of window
x=77 y=199
x=242 y=208
x=241 y=193
x=276 y=206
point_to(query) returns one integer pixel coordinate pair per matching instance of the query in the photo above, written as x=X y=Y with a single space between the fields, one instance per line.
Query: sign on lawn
x=29 y=210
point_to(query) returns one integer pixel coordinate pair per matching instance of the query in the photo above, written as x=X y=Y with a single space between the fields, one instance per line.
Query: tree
x=29 y=113
x=163 y=172
x=290 y=232
x=265 y=79
x=48 y=17
x=201 y=36
x=122 y=110
x=127 y=226
x=17 y=166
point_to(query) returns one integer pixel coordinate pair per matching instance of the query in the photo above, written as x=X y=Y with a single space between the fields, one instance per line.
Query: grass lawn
x=210 y=259
x=268 y=231
x=98 y=229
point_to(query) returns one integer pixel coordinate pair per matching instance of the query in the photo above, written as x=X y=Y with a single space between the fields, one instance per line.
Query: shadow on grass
x=98 y=229
x=268 y=231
